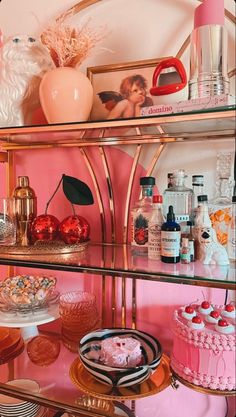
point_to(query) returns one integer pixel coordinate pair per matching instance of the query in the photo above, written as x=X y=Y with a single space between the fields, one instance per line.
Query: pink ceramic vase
x=66 y=95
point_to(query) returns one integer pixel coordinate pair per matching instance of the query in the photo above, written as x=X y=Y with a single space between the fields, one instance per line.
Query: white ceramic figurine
x=23 y=62
x=211 y=251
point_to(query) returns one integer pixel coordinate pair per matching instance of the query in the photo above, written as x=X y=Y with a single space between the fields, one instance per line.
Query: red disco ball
x=45 y=227
x=74 y=229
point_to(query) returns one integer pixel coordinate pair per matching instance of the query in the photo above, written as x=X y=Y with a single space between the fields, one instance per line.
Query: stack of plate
x=11 y=344
x=13 y=407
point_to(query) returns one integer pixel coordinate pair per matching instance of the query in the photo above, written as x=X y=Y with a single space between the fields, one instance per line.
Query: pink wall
x=150 y=38
x=155 y=301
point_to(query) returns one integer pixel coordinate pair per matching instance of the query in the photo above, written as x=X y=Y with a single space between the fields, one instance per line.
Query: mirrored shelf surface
x=205 y=124
x=119 y=261
x=57 y=389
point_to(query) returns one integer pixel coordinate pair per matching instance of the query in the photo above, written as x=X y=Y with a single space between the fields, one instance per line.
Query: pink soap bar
x=210 y=12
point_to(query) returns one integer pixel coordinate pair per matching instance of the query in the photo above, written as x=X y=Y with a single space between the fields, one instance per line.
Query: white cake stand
x=29 y=323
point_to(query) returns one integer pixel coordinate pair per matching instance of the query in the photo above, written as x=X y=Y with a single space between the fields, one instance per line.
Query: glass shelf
x=118 y=261
x=205 y=124
x=57 y=389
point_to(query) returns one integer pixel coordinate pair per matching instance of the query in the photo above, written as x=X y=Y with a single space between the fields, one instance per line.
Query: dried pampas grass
x=69 y=47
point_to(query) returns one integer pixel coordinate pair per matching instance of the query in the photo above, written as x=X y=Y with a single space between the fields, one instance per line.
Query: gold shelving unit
x=112 y=260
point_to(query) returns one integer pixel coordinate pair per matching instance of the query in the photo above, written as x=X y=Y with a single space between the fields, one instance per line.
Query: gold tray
x=202 y=389
x=43 y=248
x=159 y=380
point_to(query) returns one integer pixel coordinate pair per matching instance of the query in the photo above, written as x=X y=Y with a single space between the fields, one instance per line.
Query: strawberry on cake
x=204 y=346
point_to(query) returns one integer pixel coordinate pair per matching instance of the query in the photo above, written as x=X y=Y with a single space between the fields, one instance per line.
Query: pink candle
x=210 y=12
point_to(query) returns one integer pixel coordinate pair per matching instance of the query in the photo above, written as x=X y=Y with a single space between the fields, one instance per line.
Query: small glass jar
x=185 y=257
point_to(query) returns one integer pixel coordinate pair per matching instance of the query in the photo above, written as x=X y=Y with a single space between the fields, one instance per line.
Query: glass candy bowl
x=27 y=292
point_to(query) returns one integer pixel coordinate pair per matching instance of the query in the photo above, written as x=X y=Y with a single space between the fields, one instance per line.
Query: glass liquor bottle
x=181 y=198
x=197 y=184
x=231 y=246
x=202 y=219
x=220 y=206
x=154 y=229
x=140 y=216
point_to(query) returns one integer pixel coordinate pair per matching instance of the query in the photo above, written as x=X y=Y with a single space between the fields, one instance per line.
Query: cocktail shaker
x=208 y=51
x=25 y=210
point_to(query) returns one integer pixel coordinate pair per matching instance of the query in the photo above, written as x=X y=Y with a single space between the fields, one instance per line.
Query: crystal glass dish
x=27 y=292
x=79 y=315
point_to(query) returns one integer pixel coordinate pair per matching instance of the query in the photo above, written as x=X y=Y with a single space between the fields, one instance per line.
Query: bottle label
x=170 y=243
x=140 y=230
x=154 y=241
x=185 y=257
x=182 y=218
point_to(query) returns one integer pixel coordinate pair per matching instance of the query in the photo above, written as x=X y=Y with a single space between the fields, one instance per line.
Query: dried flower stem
x=69 y=46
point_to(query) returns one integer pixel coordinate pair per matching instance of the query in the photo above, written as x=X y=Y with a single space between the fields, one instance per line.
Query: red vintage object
x=45 y=227
x=43 y=350
x=74 y=229
x=174 y=87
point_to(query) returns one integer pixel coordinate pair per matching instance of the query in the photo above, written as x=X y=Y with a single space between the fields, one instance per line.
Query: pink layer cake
x=204 y=345
x=121 y=352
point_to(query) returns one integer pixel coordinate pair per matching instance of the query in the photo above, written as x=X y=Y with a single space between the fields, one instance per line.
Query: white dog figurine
x=23 y=62
x=211 y=251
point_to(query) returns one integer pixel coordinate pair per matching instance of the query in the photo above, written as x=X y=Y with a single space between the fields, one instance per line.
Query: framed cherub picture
x=121 y=90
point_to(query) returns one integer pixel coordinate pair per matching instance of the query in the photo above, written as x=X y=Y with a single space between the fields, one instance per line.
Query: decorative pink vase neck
x=66 y=95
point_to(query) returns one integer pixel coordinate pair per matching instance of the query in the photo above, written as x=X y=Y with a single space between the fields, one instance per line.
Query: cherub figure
x=127 y=103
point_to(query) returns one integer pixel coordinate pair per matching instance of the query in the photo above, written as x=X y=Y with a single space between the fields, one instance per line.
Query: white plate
x=27 y=413
x=51 y=314
x=41 y=413
x=27 y=384
x=32 y=408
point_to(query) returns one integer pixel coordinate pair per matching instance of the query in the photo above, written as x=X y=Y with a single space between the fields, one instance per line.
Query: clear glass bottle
x=231 y=246
x=140 y=216
x=191 y=240
x=154 y=229
x=198 y=185
x=25 y=210
x=202 y=219
x=185 y=251
x=220 y=206
x=180 y=197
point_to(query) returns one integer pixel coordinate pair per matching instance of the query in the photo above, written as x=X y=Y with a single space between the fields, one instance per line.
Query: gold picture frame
x=111 y=84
